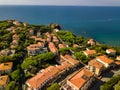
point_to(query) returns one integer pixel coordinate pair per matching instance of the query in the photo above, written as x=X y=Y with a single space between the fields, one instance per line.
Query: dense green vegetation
x=110 y=84
x=71 y=39
x=54 y=86
x=12 y=86
x=4 y=24
x=82 y=57
x=64 y=51
x=117 y=86
x=43 y=59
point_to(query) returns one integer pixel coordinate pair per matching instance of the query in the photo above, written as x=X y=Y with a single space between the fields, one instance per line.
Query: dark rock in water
x=55 y=26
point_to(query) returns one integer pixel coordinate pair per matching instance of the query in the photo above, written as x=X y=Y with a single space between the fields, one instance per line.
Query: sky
x=62 y=2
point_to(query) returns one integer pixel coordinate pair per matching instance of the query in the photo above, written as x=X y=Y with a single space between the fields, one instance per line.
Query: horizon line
x=58 y=5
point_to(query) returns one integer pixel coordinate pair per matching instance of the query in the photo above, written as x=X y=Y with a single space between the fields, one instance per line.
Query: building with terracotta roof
x=107 y=62
x=89 y=52
x=82 y=80
x=3 y=82
x=39 y=39
x=55 y=26
x=61 y=46
x=41 y=44
x=31 y=32
x=11 y=29
x=96 y=66
x=55 y=39
x=43 y=78
x=75 y=45
x=64 y=66
x=118 y=58
x=56 y=30
x=91 y=42
x=25 y=24
x=117 y=63
x=17 y=23
x=14 y=44
x=15 y=37
x=38 y=34
x=48 y=37
x=35 y=49
x=6 y=52
x=52 y=48
x=6 y=67
x=70 y=59
x=9 y=20
x=111 y=51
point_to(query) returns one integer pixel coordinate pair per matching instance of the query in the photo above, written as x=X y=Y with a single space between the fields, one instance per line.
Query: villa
x=48 y=37
x=89 y=52
x=96 y=66
x=43 y=78
x=31 y=32
x=17 y=23
x=3 y=82
x=91 y=42
x=71 y=60
x=107 y=62
x=15 y=37
x=35 y=49
x=81 y=81
x=53 y=48
x=61 y=46
x=111 y=51
x=6 y=67
x=6 y=52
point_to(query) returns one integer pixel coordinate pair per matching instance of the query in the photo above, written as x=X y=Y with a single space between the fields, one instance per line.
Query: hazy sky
x=62 y=2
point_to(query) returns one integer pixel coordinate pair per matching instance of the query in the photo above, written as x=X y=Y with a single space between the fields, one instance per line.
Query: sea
x=98 y=22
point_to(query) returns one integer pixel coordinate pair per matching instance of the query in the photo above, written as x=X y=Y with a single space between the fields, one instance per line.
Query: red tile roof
x=15 y=37
x=64 y=65
x=52 y=47
x=70 y=59
x=6 y=66
x=90 y=52
x=37 y=81
x=111 y=50
x=91 y=41
x=81 y=77
x=118 y=63
x=61 y=46
x=95 y=64
x=105 y=59
x=75 y=45
x=3 y=80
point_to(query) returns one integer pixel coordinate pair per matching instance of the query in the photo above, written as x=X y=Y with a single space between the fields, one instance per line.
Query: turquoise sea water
x=100 y=23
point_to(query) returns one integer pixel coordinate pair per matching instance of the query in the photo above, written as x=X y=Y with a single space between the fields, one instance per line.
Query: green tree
x=117 y=86
x=11 y=85
x=5 y=59
x=28 y=62
x=105 y=87
x=109 y=85
x=54 y=86
x=16 y=75
x=81 y=56
x=45 y=57
x=64 y=51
